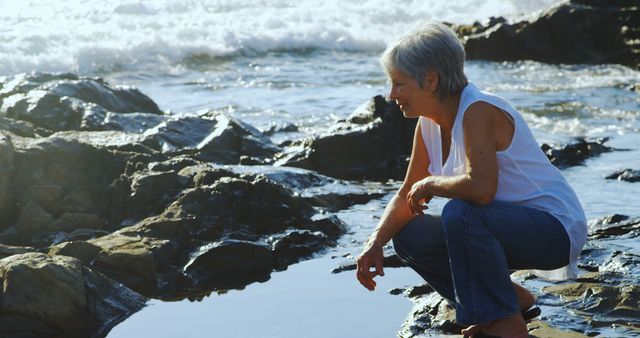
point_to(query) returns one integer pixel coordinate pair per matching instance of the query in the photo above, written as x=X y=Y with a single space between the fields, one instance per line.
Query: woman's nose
x=393 y=93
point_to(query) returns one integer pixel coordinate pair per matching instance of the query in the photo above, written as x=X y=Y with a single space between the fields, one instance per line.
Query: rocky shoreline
x=104 y=211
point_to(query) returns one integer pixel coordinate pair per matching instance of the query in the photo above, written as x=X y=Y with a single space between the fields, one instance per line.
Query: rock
x=281 y=128
x=81 y=250
x=61 y=183
x=222 y=207
x=152 y=191
x=133 y=261
x=296 y=245
x=624 y=227
x=430 y=313
x=230 y=264
x=584 y=31
x=373 y=144
x=8 y=250
x=72 y=221
x=60 y=102
x=61 y=297
x=576 y=153
x=33 y=219
x=7 y=169
x=628 y=175
x=602 y=304
x=210 y=137
x=101 y=120
x=21 y=128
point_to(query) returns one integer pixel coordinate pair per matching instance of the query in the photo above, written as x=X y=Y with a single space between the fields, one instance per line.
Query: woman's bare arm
x=479 y=184
x=395 y=216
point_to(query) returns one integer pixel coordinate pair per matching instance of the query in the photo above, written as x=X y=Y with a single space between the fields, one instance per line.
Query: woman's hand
x=371 y=256
x=419 y=196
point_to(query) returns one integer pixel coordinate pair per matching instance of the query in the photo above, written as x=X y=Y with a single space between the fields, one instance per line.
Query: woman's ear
x=431 y=81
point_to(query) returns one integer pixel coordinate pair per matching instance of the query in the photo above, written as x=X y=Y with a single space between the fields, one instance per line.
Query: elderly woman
x=509 y=207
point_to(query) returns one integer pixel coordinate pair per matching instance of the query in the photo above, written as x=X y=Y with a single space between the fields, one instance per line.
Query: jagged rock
x=296 y=245
x=578 y=31
x=60 y=102
x=51 y=296
x=21 y=128
x=223 y=206
x=33 y=219
x=82 y=250
x=628 y=175
x=210 y=137
x=7 y=169
x=230 y=264
x=8 y=250
x=576 y=153
x=100 y=120
x=133 y=261
x=152 y=191
x=539 y=329
x=617 y=227
x=374 y=144
x=602 y=303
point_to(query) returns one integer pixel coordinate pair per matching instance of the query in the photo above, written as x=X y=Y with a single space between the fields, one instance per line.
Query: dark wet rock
x=281 y=128
x=60 y=184
x=153 y=191
x=603 y=304
x=430 y=312
x=629 y=227
x=576 y=153
x=210 y=137
x=230 y=264
x=374 y=144
x=584 y=31
x=628 y=175
x=296 y=245
x=318 y=190
x=7 y=170
x=392 y=261
x=51 y=296
x=131 y=123
x=173 y=164
x=133 y=261
x=8 y=250
x=247 y=208
x=21 y=128
x=81 y=250
x=60 y=102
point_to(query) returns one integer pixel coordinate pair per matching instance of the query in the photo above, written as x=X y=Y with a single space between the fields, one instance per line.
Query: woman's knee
x=404 y=241
x=418 y=235
x=455 y=214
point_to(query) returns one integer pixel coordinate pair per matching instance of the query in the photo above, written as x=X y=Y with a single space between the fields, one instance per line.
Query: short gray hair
x=430 y=46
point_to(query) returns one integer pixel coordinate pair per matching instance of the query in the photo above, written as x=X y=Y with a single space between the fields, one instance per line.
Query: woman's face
x=412 y=100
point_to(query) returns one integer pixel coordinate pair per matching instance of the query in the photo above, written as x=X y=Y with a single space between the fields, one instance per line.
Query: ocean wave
x=94 y=36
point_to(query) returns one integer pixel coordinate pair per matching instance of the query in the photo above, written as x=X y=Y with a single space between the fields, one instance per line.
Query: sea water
x=310 y=63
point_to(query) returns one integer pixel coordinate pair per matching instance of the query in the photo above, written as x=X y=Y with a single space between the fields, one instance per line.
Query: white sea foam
x=88 y=36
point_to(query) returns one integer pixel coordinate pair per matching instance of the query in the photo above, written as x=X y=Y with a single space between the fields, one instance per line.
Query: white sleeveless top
x=525 y=174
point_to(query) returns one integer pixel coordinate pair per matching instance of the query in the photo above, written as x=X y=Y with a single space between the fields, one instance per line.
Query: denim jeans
x=466 y=254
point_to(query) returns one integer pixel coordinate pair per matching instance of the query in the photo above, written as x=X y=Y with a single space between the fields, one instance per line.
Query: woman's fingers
x=416 y=203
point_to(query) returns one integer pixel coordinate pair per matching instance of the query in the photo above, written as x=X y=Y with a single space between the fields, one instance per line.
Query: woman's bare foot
x=511 y=327
x=525 y=301
x=473 y=329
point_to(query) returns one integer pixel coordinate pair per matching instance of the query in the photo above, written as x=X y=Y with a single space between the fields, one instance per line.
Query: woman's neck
x=446 y=113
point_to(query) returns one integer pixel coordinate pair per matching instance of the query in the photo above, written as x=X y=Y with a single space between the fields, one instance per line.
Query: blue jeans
x=466 y=254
